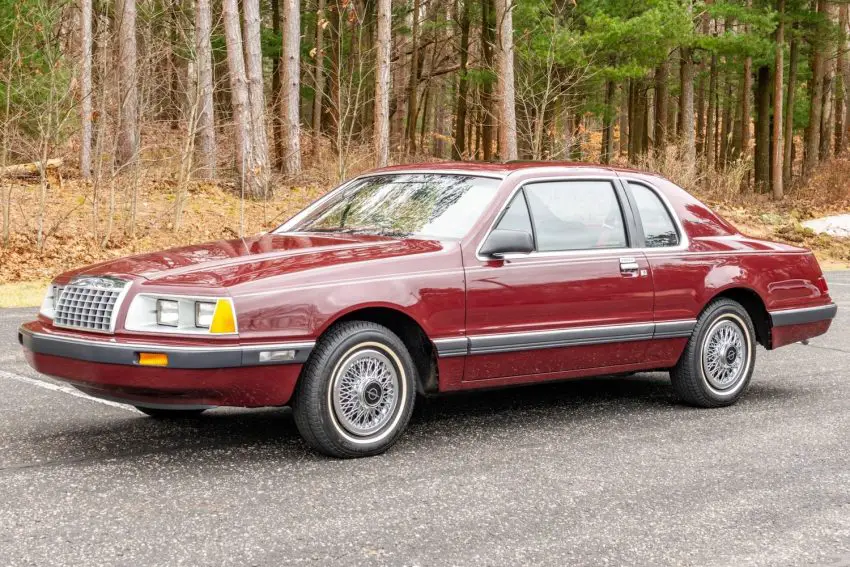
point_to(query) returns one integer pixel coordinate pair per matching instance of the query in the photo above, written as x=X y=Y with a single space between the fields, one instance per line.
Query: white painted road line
x=64 y=389
x=837 y=283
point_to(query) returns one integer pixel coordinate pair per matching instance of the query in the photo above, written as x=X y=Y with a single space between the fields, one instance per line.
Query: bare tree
x=239 y=98
x=257 y=103
x=291 y=80
x=776 y=165
x=382 y=84
x=688 y=143
x=205 y=119
x=85 y=88
x=128 y=132
x=319 y=74
x=413 y=82
x=506 y=92
x=813 y=131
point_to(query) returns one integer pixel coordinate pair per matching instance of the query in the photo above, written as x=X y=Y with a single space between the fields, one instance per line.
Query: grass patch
x=22 y=294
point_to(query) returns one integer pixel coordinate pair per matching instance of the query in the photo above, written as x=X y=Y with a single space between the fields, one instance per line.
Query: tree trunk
x=711 y=124
x=128 y=130
x=746 y=94
x=256 y=96
x=661 y=102
x=277 y=70
x=382 y=84
x=638 y=135
x=687 y=104
x=459 y=146
x=319 y=76
x=413 y=84
x=506 y=96
x=631 y=114
x=776 y=166
x=85 y=88
x=239 y=99
x=726 y=123
x=827 y=113
x=290 y=100
x=840 y=96
x=788 y=139
x=426 y=109
x=205 y=144
x=743 y=135
x=608 y=123
x=700 y=110
x=810 y=159
x=762 y=154
x=488 y=115
x=845 y=80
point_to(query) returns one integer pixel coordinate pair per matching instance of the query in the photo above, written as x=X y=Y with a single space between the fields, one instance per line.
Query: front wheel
x=356 y=393
x=718 y=361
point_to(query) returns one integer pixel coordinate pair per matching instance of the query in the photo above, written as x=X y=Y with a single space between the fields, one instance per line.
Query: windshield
x=419 y=205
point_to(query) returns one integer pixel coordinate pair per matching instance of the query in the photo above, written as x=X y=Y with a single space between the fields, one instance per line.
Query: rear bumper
x=195 y=376
x=804 y=315
x=795 y=325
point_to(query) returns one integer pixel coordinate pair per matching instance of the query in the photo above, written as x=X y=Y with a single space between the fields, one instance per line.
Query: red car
x=434 y=278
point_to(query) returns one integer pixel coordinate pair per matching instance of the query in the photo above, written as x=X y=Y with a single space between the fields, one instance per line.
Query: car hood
x=227 y=262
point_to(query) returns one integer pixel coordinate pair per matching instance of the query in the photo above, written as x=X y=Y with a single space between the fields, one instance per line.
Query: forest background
x=133 y=125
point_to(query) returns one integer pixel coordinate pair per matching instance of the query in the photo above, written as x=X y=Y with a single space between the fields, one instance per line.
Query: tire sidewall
x=389 y=345
x=738 y=315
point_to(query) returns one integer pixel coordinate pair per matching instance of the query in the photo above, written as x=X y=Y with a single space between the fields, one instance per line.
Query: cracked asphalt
x=588 y=472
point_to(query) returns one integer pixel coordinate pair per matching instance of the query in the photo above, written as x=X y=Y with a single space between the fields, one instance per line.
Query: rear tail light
x=822 y=286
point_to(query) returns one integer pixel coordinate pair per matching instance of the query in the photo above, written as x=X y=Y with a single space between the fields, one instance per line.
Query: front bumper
x=197 y=375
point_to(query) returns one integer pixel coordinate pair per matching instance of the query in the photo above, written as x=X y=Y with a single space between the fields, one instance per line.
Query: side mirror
x=503 y=241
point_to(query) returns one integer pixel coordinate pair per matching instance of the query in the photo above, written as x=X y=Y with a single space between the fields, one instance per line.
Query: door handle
x=629 y=266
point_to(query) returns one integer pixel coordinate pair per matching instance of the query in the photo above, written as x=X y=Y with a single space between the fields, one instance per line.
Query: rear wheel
x=718 y=361
x=356 y=393
x=162 y=413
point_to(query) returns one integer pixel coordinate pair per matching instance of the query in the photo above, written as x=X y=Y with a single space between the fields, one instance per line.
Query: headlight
x=167 y=312
x=181 y=315
x=51 y=297
x=204 y=312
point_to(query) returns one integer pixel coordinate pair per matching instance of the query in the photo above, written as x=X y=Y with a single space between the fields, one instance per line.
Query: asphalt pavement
x=608 y=471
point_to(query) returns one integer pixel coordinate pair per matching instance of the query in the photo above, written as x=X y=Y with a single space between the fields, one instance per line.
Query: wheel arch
x=753 y=303
x=408 y=329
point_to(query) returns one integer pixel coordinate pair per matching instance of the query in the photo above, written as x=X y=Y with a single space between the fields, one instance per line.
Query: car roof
x=502 y=169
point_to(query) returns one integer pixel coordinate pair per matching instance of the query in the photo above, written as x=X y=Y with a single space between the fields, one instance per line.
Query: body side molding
x=555 y=338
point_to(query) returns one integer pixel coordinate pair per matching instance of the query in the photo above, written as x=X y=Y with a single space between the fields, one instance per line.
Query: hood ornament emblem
x=98 y=282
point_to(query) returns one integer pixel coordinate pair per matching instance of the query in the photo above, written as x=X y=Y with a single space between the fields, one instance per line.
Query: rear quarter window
x=659 y=230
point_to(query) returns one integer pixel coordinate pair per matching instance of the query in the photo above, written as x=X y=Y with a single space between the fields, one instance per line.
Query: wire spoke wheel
x=725 y=354
x=365 y=392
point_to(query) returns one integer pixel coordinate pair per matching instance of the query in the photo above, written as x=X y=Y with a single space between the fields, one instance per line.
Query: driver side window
x=576 y=215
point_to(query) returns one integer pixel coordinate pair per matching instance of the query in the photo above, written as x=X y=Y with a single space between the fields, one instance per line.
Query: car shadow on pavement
x=270 y=433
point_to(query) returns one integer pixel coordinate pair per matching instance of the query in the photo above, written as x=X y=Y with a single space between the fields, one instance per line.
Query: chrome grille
x=90 y=304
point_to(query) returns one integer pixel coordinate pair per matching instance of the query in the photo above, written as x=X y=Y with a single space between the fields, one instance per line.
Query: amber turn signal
x=153 y=359
x=223 y=321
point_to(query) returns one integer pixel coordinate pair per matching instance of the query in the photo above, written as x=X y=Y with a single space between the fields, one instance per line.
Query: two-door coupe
x=434 y=278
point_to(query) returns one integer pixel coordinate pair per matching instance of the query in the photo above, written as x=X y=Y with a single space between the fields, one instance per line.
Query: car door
x=582 y=300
